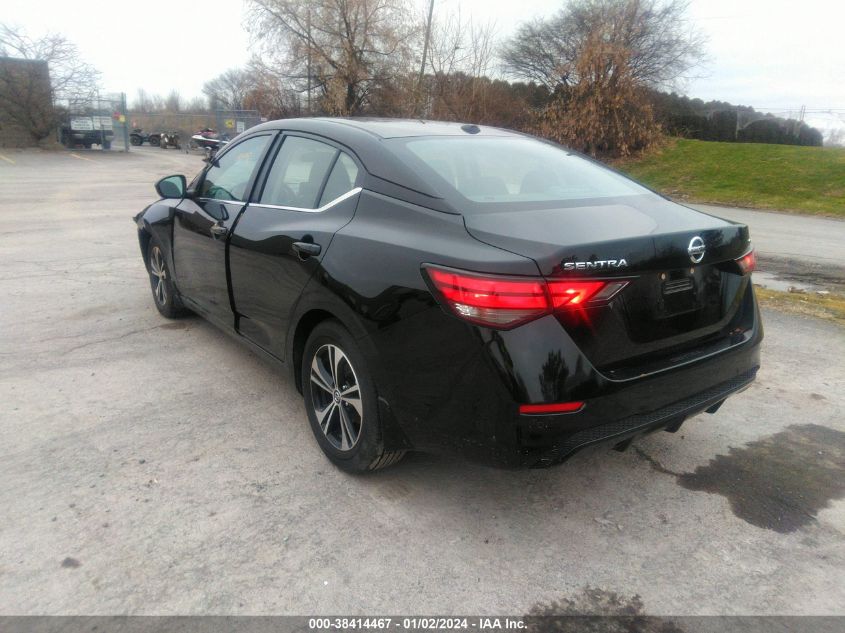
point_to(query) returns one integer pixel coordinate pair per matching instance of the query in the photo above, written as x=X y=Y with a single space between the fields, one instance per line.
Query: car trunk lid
x=683 y=290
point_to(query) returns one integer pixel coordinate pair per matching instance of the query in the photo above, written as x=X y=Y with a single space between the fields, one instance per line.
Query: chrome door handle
x=306 y=249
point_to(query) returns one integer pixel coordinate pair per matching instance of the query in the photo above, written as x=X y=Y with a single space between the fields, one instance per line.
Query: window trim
x=349 y=194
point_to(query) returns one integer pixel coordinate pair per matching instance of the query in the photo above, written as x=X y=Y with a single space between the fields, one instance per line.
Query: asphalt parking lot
x=158 y=467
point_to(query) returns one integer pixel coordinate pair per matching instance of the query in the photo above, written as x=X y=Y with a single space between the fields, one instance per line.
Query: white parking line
x=90 y=160
x=7 y=159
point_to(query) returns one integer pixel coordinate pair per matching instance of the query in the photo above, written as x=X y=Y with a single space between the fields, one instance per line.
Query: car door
x=309 y=193
x=203 y=222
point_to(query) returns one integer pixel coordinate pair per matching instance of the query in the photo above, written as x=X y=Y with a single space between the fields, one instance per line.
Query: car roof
x=397 y=128
x=387 y=172
x=391 y=128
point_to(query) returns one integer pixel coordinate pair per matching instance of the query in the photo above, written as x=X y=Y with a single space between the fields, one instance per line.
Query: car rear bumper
x=538 y=449
x=461 y=394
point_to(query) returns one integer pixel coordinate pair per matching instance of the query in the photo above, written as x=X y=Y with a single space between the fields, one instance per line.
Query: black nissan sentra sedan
x=446 y=287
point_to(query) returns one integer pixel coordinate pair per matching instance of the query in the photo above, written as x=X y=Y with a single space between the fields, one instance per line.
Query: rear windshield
x=494 y=172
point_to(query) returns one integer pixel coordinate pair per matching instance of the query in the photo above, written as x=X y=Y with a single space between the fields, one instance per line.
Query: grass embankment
x=830 y=307
x=756 y=175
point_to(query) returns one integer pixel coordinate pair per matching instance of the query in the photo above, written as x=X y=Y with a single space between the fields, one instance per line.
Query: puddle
x=773 y=282
x=596 y=610
x=780 y=482
x=775 y=272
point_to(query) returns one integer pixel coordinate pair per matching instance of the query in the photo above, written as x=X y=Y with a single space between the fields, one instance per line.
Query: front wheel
x=341 y=401
x=166 y=299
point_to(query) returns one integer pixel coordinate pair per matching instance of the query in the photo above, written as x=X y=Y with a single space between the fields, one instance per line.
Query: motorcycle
x=208 y=140
x=169 y=139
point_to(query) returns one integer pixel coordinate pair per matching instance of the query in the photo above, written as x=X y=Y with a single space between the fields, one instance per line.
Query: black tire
x=367 y=452
x=165 y=297
x=135 y=140
x=154 y=141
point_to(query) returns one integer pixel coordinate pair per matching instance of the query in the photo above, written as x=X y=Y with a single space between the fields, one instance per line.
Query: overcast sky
x=770 y=54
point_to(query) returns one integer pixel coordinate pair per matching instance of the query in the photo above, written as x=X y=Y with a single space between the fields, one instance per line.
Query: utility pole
x=424 y=54
x=125 y=111
x=308 y=31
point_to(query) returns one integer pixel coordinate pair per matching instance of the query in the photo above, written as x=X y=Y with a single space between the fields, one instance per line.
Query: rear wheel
x=161 y=282
x=341 y=401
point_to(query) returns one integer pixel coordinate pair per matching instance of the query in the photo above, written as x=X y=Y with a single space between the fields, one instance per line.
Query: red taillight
x=572 y=293
x=505 y=302
x=495 y=301
x=557 y=407
x=748 y=262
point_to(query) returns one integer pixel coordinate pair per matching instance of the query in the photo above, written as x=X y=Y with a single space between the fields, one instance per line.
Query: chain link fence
x=98 y=122
x=233 y=122
x=148 y=127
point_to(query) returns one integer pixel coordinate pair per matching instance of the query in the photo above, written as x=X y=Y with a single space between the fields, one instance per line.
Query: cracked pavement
x=156 y=467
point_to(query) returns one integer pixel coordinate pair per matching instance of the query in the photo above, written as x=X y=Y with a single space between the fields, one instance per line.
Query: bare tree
x=173 y=102
x=228 y=90
x=26 y=97
x=70 y=76
x=608 y=111
x=343 y=49
x=157 y=103
x=661 y=47
x=461 y=55
x=143 y=102
x=273 y=95
x=196 y=105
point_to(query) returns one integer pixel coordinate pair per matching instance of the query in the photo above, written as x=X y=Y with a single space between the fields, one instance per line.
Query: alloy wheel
x=336 y=397
x=158 y=275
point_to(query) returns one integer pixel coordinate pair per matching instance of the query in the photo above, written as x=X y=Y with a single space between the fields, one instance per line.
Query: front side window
x=229 y=177
x=298 y=173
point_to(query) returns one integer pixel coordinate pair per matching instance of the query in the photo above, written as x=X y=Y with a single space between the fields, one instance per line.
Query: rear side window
x=230 y=175
x=342 y=179
x=298 y=173
x=495 y=172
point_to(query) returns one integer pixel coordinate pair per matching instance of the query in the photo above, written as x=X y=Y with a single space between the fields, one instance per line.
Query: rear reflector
x=505 y=302
x=557 y=407
x=575 y=293
x=572 y=293
x=748 y=262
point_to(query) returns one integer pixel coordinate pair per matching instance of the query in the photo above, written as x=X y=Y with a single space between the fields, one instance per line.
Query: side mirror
x=172 y=186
